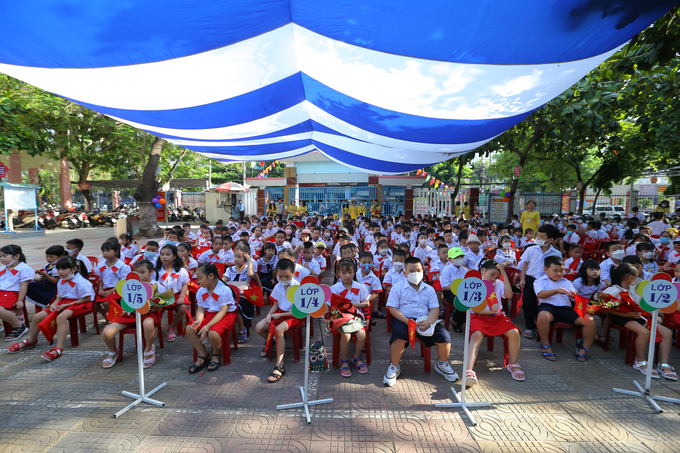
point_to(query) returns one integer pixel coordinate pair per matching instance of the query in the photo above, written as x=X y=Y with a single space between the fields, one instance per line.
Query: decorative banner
x=309 y=298
x=3 y=170
x=658 y=294
x=419 y=171
x=84 y=186
x=517 y=171
x=135 y=294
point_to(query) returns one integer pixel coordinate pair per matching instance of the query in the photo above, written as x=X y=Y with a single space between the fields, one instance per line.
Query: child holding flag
x=111 y=269
x=493 y=322
x=415 y=309
x=74 y=297
x=572 y=265
x=121 y=320
x=15 y=276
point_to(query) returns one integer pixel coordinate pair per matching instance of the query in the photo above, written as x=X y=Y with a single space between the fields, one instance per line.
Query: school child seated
x=172 y=275
x=214 y=254
x=359 y=295
x=128 y=247
x=189 y=237
x=396 y=272
x=462 y=239
x=648 y=253
x=422 y=249
x=15 y=277
x=307 y=259
x=150 y=253
x=127 y=320
x=528 y=237
x=434 y=275
x=382 y=259
x=505 y=252
x=572 y=265
x=243 y=270
x=632 y=317
x=673 y=256
x=190 y=264
x=415 y=300
x=319 y=250
x=366 y=276
x=206 y=237
x=111 y=269
x=280 y=316
x=74 y=296
x=73 y=248
x=474 y=252
x=588 y=283
x=591 y=230
x=267 y=268
x=171 y=238
x=43 y=289
x=571 y=236
x=493 y=322
x=554 y=293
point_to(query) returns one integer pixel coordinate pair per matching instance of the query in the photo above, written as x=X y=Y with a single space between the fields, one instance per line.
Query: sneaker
x=391 y=376
x=17 y=333
x=445 y=370
x=529 y=334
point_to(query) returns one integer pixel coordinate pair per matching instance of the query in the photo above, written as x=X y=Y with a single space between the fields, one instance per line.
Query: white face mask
x=69 y=277
x=580 y=221
x=507 y=245
x=398 y=265
x=648 y=255
x=619 y=254
x=11 y=264
x=458 y=261
x=285 y=282
x=383 y=252
x=636 y=230
x=71 y=252
x=540 y=242
x=415 y=277
x=423 y=242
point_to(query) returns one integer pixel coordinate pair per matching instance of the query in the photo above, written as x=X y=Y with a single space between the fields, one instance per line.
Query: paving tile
x=10 y=435
x=35 y=440
x=264 y=445
x=350 y=446
x=524 y=428
x=611 y=447
x=77 y=442
x=521 y=447
x=436 y=447
x=662 y=447
x=140 y=420
x=360 y=429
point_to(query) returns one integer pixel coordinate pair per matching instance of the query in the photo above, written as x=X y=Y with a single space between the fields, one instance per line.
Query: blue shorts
x=560 y=314
x=400 y=332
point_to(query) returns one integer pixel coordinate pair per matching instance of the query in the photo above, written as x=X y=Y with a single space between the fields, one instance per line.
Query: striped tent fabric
x=377 y=85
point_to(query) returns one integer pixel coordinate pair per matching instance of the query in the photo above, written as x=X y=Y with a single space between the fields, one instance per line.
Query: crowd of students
x=406 y=266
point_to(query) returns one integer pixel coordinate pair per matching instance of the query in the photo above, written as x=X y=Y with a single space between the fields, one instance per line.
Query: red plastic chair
x=133 y=331
x=226 y=351
x=506 y=354
x=76 y=322
x=296 y=336
x=559 y=328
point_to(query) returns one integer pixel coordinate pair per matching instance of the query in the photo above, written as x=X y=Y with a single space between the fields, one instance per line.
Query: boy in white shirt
x=423 y=249
x=454 y=269
x=555 y=293
x=474 y=253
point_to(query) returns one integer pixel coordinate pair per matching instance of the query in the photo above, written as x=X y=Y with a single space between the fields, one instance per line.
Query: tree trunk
x=595 y=201
x=456 y=189
x=511 y=203
x=148 y=225
x=89 y=198
x=581 y=201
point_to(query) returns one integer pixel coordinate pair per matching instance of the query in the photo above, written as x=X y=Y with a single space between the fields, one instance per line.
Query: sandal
x=530 y=334
x=52 y=354
x=548 y=355
x=670 y=375
x=579 y=346
x=277 y=377
x=16 y=333
x=243 y=336
x=214 y=364
x=110 y=360
x=150 y=357
x=442 y=313
x=344 y=369
x=16 y=347
x=378 y=315
x=171 y=336
x=196 y=368
x=362 y=367
x=642 y=368
x=516 y=371
x=470 y=379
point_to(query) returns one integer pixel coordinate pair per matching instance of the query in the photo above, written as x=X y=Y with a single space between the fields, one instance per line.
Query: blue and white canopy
x=382 y=85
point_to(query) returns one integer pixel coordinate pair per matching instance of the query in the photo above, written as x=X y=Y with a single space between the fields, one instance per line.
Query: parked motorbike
x=66 y=219
x=98 y=219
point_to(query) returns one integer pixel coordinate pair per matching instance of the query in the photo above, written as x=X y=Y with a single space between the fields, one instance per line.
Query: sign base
x=646 y=395
x=304 y=390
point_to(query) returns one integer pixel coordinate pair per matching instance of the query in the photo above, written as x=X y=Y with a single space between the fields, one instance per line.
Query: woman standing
x=530 y=218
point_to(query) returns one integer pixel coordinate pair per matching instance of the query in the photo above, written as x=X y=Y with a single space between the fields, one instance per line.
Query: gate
x=329 y=200
x=431 y=201
x=393 y=200
x=193 y=200
x=272 y=194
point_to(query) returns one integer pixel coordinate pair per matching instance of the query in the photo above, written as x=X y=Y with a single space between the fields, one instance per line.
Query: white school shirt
x=421 y=253
x=233 y=275
x=76 y=288
x=267 y=267
x=371 y=282
x=572 y=238
x=592 y=234
x=567 y=266
x=280 y=295
x=285 y=245
x=502 y=257
x=358 y=294
x=226 y=256
x=86 y=261
x=451 y=273
x=128 y=252
x=300 y=272
x=673 y=257
x=142 y=257
x=382 y=262
x=11 y=280
x=584 y=290
x=393 y=277
x=413 y=303
x=535 y=257
x=213 y=302
x=210 y=257
x=192 y=264
x=436 y=267
x=602 y=234
x=255 y=244
x=202 y=242
x=605 y=269
x=112 y=275
x=472 y=260
x=191 y=236
x=524 y=241
x=328 y=241
x=173 y=280
x=321 y=261
x=666 y=251
x=313 y=264
x=558 y=300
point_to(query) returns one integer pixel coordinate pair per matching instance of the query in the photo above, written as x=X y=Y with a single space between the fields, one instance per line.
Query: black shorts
x=400 y=332
x=560 y=314
x=621 y=321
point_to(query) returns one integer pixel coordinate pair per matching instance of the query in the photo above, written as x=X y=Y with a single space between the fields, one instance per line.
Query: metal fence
x=193 y=200
x=546 y=203
x=393 y=198
x=272 y=194
x=432 y=201
x=329 y=200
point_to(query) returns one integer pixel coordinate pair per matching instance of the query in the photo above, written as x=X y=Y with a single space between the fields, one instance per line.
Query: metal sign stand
x=305 y=389
x=645 y=392
x=142 y=397
x=461 y=399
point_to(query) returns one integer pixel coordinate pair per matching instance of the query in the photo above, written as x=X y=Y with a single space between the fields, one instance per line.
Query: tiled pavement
x=68 y=405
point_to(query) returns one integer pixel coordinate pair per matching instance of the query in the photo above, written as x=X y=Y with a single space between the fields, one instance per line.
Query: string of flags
x=265 y=171
x=433 y=181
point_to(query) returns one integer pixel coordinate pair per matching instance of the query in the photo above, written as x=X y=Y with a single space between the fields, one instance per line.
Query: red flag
x=189 y=319
x=581 y=306
x=412 y=333
x=270 y=335
x=649 y=327
x=574 y=264
x=48 y=326
x=115 y=311
x=254 y=295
